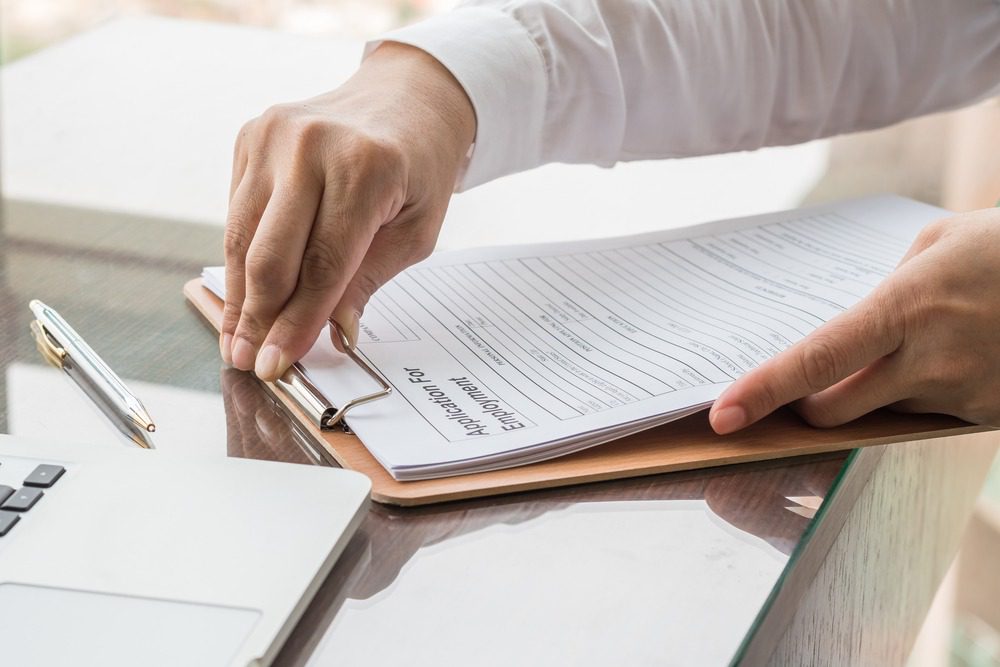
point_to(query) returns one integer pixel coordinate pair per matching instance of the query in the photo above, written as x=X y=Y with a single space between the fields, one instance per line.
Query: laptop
x=132 y=557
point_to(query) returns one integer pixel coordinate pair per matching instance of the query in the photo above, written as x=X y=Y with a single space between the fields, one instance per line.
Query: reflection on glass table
x=659 y=558
x=42 y=401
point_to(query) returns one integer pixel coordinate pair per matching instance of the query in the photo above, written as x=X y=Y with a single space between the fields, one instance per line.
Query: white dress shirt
x=606 y=80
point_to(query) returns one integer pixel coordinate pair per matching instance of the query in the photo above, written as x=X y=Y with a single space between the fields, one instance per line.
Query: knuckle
x=275 y=116
x=267 y=268
x=287 y=127
x=322 y=264
x=248 y=202
x=253 y=325
x=372 y=154
x=821 y=363
x=941 y=226
x=932 y=232
x=308 y=133
x=230 y=318
x=369 y=283
x=291 y=328
x=236 y=241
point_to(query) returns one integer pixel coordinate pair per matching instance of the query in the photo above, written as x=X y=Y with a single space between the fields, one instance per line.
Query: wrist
x=438 y=103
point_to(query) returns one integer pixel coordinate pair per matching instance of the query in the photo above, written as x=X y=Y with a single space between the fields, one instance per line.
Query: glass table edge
x=793 y=559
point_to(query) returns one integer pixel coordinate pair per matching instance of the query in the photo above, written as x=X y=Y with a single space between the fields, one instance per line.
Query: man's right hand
x=332 y=197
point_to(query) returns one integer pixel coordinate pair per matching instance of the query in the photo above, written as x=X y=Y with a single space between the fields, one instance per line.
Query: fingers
x=884 y=382
x=393 y=249
x=854 y=339
x=273 y=263
x=237 y=224
x=245 y=210
x=338 y=242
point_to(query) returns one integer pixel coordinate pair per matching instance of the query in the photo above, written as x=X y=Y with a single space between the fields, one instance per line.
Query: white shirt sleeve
x=606 y=80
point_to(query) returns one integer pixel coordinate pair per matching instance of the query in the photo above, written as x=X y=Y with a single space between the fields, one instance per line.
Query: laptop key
x=44 y=475
x=7 y=521
x=23 y=499
x=5 y=492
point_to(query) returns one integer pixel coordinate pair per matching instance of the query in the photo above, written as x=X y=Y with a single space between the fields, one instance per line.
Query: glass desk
x=666 y=569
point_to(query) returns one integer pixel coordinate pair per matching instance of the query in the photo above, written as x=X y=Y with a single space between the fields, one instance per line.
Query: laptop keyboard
x=17 y=502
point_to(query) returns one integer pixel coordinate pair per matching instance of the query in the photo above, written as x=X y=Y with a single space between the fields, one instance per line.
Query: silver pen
x=63 y=347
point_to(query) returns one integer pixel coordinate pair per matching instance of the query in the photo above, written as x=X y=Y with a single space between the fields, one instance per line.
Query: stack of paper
x=506 y=356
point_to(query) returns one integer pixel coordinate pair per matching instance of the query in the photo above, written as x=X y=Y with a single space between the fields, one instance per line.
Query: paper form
x=505 y=356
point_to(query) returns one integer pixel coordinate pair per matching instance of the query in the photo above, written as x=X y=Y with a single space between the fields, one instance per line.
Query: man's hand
x=334 y=196
x=926 y=340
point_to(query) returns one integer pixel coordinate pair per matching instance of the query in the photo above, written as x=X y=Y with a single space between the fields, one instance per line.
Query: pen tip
x=151 y=428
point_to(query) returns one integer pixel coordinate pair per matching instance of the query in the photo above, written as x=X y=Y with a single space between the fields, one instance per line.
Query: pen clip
x=47 y=345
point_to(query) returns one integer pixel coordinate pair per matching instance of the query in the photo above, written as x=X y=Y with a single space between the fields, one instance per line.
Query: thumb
x=393 y=249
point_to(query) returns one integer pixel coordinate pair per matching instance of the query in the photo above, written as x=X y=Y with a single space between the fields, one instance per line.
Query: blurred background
x=950 y=159
x=29 y=25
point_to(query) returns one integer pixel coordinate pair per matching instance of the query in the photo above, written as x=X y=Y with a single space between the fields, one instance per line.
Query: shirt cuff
x=501 y=68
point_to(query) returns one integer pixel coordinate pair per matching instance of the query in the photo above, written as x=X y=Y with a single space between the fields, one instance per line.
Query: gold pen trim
x=46 y=344
x=131 y=425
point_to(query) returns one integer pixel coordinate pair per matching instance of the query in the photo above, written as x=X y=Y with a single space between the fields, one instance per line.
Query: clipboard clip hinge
x=296 y=383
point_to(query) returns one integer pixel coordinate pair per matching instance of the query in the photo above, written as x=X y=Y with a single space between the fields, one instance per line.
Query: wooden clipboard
x=685 y=444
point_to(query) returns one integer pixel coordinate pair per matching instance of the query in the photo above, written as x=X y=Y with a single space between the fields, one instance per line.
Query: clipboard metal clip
x=296 y=383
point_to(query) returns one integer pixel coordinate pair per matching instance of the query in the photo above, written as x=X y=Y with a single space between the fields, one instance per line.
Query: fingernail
x=226 y=348
x=243 y=355
x=267 y=362
x=729 y=419
x=353 y=329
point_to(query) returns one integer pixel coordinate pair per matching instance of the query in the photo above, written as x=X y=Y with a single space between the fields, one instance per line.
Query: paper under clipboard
x=392 y=427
